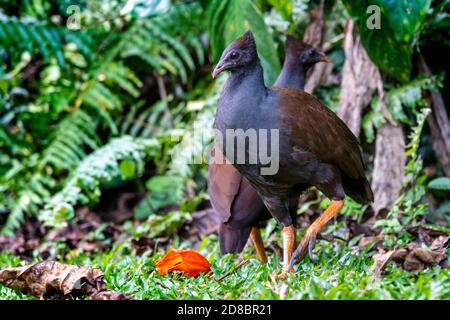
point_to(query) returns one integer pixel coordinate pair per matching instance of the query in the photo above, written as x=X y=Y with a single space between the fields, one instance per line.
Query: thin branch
x=243 y=262
x=163 y=95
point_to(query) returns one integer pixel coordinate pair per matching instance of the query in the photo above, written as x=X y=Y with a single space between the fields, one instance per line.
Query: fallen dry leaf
x=426 y=235
x=188 y=262
x=26 y=240
x=440 y=243
x=376 y=240
x=381 y=260
x=55 y=280
x=413 y=258
x=416 y=259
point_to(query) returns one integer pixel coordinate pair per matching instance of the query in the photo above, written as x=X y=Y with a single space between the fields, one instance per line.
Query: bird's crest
x=295 y=45
x=247 y=40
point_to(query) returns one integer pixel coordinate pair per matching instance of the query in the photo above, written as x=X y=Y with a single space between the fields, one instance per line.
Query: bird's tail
x=232 y=240
x=358 y=189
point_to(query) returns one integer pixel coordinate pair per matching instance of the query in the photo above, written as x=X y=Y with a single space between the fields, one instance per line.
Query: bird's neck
x=293 y=75
x=249 y=80
x=243 y=93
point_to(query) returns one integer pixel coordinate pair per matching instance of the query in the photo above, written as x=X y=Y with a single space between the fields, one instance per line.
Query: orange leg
x=255 y=235
x=288 y=248
x=309 y=240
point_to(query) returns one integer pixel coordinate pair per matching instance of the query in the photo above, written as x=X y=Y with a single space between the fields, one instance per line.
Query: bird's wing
x=224 y=182
x=317 y=129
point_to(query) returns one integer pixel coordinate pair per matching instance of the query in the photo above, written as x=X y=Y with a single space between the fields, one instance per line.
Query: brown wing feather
x=319 y=130
x=224 y=182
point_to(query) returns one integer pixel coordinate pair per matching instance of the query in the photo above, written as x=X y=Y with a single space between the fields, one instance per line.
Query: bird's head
x=238 y=55
x=304 y=53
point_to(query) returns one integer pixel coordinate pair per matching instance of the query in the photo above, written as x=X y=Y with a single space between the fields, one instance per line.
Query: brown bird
x=236 y=202
x=315 y=147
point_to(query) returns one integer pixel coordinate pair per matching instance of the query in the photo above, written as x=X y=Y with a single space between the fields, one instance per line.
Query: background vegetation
x=99 y=103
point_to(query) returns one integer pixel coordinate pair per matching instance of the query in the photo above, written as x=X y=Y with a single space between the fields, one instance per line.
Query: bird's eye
x=234 y=55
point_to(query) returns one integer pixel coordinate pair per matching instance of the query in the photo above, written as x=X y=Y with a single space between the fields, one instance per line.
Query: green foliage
x=390 y=46
x=65 y=150
x=155 y=43
x=409 y=206
x=36 y=37
x=164 y=190
x=398 y=99
x=437 y=27
x=284 y=7
x=76 y=102
x=163 y=225
x=442 y=183
x=100 y=168
x=191 y=150
x=228 y=20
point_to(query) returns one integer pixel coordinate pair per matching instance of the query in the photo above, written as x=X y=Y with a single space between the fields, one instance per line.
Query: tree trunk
x=358 y=80
x=439 y=124
x=314 y=35
x=389 y=162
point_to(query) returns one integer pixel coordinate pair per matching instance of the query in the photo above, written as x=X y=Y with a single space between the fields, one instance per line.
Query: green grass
x=340 y=272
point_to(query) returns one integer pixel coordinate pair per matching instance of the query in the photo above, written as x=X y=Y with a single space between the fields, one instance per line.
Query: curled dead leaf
x=55 y=280
x=188 y=262
x=412 y=258
x=381 y=260
x=426 y=235
x=377 y=241
x=419 y=258
x=441 y=243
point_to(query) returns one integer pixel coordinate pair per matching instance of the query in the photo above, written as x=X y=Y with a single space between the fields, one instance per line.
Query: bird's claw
x=282 y=275
x=293 y=260
x=312 y=242
x=306 y=247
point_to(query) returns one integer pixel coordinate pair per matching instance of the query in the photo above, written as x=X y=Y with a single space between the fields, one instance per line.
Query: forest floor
x=342 y=270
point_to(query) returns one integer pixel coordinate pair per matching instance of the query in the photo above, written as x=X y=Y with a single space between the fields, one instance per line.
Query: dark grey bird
x=316 y=148
x=239 y=207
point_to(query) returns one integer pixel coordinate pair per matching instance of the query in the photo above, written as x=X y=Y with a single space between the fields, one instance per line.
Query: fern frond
x=408 y=95
x=120 y=75
x=99 y=168
x=28 y=200
x=18 y=35
x=65 y=150
x=147 y=122
x=165 y=46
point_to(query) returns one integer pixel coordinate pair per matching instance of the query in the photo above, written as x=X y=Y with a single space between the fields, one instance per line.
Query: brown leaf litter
x=27 y=239
x=414 y=257
x=55 y=280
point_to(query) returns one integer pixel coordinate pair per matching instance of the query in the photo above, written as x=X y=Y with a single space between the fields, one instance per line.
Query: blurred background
x=99 y=101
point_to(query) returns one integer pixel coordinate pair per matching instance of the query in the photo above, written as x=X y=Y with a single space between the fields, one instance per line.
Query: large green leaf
x=404 y=16
x=228 y=20
x=389 y=55
x=390 y=47
x=442 y=183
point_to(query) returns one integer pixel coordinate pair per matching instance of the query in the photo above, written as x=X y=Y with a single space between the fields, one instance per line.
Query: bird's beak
x=324 y=58
x=218 y=69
